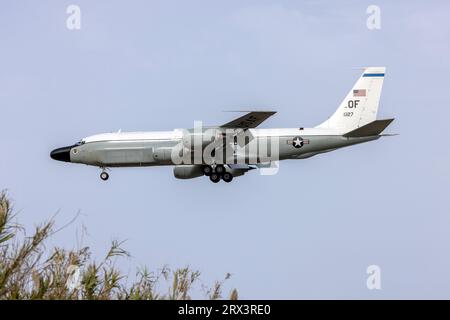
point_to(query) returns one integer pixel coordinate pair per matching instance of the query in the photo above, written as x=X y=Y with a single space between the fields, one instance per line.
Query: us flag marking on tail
x=359 y=93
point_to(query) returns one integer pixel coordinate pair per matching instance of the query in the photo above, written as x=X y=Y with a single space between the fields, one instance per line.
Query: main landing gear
x=227 y=177
x=216 y=173
x=214 y=177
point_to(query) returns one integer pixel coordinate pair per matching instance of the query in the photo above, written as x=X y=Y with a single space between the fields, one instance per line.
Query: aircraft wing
x=250 y=120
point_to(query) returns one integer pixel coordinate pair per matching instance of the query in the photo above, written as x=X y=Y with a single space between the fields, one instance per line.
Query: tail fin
x=360 y=106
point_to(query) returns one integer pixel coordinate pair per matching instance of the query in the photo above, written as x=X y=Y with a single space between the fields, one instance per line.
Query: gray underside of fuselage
x=159 y=152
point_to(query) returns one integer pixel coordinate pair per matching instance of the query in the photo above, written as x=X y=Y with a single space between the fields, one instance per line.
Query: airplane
x=354 y=121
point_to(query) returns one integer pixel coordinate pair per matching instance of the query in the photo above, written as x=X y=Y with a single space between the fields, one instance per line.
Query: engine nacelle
x=187 y=171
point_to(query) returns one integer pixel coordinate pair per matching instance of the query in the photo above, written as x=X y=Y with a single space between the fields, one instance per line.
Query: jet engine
x=187 y=171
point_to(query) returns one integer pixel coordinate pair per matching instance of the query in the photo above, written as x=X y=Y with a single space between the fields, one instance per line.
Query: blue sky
x=308 y=232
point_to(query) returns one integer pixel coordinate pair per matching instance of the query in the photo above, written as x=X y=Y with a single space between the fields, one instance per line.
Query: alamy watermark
x=373 y=21
x=73 y=21
x=210 y=146
x=373 y=281
x=74 y=277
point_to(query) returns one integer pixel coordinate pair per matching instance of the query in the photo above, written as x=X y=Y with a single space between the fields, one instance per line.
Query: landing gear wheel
x=104 y=176
x=227 y=177
x=214 y=177
x=220 y=169
x=207 y=170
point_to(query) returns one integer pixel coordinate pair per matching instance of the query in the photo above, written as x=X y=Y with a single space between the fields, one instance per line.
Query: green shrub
x=29 y=271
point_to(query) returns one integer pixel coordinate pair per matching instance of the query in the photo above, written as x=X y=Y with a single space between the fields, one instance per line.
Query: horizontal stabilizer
x=371 y=129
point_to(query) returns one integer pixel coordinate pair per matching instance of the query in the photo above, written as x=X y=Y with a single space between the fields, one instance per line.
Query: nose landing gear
x=104 y=175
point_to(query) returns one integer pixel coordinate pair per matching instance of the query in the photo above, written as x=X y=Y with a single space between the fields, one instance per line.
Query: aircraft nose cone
x=61 y=154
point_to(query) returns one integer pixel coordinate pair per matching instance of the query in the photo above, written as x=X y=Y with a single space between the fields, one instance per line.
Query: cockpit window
x=79 y=143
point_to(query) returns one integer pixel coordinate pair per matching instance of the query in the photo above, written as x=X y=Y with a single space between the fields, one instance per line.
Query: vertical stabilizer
x=360 y=106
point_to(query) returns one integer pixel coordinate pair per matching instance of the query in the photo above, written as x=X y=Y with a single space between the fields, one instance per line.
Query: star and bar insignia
x=298 y=142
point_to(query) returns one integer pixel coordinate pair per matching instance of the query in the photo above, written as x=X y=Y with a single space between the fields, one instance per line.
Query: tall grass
x=28 y=270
